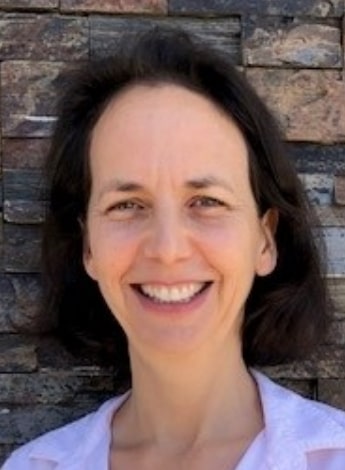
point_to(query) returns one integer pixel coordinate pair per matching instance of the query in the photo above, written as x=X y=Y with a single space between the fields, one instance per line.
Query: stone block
x=5 y=450
x=327 y=362
x=17 y=354
x=18 y=425
x=24 y=153
x=306 y=388
x=58 y=387
x=19 y=301
x=314 y=158
x=19 y=211
x=331 y=216
x=337 y=290
x=154 y=7
x=319 y=188
x=43 y=37
x=336 y=334
x=339 y=189
x=317 y=8
x=335 y=243
x=28 y=97
x=272 y=41
x=308 y=103
x=25 y=184
x=332 y=391
x=22 y=248
x=222 y=34
x=29 y=4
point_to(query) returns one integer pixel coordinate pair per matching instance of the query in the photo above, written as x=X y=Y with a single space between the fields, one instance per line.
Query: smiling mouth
x=171 y=294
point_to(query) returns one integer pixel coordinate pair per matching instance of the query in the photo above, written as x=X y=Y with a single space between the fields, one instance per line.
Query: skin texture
x=171 y=204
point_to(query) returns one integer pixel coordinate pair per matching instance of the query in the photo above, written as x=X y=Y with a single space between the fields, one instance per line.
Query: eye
x=126 y=209
x=207 y=201
x=125 y=206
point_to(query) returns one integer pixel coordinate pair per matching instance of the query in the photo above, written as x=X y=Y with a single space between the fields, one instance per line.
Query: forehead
x=165 y=125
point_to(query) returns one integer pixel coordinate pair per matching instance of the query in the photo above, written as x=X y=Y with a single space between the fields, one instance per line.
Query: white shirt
x=299 y=434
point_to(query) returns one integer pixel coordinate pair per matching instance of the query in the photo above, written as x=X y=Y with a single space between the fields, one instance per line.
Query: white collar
x=293 y=427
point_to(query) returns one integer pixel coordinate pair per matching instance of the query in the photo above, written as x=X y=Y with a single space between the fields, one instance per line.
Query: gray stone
x=332 y=391
x=319 y=188
x=18 y=425
x=30 y=4
x=28 y=97
x=335 y=244
x=27 y=185
x=19 y=301
x=56 y=387
x=22 y=248
x=20 y=211
x=337 y=290
x=17 y=354
x=339 y=189
x=320 y=8
x=313 y=158
x=222 y=34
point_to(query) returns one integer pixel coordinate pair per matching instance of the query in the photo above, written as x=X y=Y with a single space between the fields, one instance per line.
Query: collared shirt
x=299 y=434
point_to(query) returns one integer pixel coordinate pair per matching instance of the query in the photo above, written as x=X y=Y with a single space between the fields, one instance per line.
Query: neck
x=192 y=399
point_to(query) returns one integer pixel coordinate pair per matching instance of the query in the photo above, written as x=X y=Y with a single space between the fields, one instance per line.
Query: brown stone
x=30 y=4
x=331 y=391
x=222 y=34
x=115 y=6
x=24 y=153
x=337 y=289
x=28 y=97
x=332 y=216
x=308 y=103
x=17 y=354
x=273 y=42
x=43 y=37
x=339 y=189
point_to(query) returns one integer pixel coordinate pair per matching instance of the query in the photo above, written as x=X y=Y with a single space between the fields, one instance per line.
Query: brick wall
x=293 y=53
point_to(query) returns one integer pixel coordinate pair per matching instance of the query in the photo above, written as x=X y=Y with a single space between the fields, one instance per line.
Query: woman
x=179 y=233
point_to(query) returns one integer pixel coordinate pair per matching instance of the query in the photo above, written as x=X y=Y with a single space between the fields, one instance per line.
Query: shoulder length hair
x=286 y=313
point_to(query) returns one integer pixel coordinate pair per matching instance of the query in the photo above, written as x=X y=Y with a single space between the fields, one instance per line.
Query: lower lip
x=173 y=308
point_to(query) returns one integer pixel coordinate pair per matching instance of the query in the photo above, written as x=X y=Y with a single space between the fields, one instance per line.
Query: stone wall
x=293 y=53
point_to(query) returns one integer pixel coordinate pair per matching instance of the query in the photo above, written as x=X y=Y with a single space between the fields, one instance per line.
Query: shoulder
x=310 y=431
x=67 y=443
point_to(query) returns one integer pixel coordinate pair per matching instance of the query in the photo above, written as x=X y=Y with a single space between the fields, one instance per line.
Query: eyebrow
x=132 y=186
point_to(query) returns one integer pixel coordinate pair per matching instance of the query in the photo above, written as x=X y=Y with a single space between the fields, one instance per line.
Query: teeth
x=181 y=293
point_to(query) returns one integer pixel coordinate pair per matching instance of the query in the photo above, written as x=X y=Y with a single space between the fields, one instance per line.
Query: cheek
x=112 y=251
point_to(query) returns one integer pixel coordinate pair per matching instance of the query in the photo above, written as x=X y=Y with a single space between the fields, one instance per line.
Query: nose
x=168 y=239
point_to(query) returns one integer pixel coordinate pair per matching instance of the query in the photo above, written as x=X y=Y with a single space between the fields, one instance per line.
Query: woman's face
x=173 y=237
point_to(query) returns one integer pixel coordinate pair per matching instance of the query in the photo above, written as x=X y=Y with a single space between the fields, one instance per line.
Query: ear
x=267 y=257
x=88 y=260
